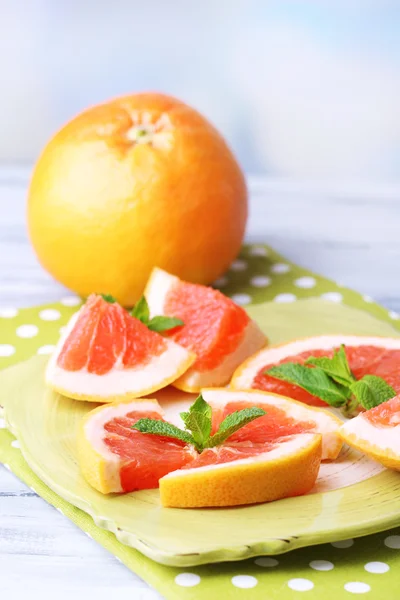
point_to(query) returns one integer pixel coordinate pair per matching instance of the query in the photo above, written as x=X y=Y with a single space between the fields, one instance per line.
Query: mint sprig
x=159 y=324
x=331 y=380
x=108 y=298
x=198 y=424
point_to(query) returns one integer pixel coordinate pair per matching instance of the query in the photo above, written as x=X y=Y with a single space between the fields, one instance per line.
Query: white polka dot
x=321 y=565
x=394 y=315
x=27 y=331
x=376 y=567
x=357 y=587
x=367 y=298
x=343 y=544
x=46 y=349
x=305 y=282
x=15 y=444
x=241 y=299
x=49 y=314
x=221 y=282
x=266 y=561
x=238 y=265
x=244 y=581
x=280 y=268
x=300 y=585
x=332 y=296
x=393 y=541
x=70 y=301
x=258 y=251
x=2 y=424
x=285 y=298
x=187 y=579
x=8 y=313
x=6 y=350
x=260 y=281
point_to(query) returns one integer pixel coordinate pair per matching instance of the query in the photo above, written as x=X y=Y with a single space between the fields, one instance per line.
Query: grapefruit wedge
x=285 y=417
x=116 y=458
x=219 y=332
x=376 y=433
x=366 y=356
x=106 y=354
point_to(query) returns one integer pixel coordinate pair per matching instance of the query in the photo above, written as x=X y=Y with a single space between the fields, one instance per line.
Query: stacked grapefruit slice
x=218 y=331
x=376 y=433
x=366 y=355
x=106 y=354
x=275 y=456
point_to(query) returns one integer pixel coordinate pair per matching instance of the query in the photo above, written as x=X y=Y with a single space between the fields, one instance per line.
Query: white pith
x=119 y=381
x=246 y=374
x=95 y=432
x=282 y=450
x=146 y=131
x=385 y=438
x=253 y=339
x=325 y=423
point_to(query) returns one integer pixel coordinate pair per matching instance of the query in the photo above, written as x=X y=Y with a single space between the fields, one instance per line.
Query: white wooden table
x=349 y=233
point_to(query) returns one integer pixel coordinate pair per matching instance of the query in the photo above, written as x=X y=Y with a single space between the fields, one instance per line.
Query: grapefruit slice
x=219 y=332
x=238 y=474
x=113 y=457
x=105 y=354
x=285 y=417
x=376 y=433
x=116 y=458
x=366 y=356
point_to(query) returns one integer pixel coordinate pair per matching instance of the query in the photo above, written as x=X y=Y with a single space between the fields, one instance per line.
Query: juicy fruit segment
x=376 y=432
x=267 y=472
x=104 y=334
x=276 y=423
x=218 y=331
x=106 y=354
x=386 y=414
x=214 y=325
x=116 y=458
x=284 y=417
x=364 y=359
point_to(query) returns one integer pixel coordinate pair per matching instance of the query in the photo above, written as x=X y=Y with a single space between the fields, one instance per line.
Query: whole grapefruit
x=140 y=181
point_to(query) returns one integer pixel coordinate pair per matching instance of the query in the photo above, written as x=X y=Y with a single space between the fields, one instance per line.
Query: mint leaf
x=108 y=298
x=198 y=421
x=315 y=381
x=371 y=391
x=163 y=323
x=233 y=423
x=158 y=427
x=336 y=367
x=141 y=310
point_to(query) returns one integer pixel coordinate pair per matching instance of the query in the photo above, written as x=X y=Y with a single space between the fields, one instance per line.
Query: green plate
x=45 y=425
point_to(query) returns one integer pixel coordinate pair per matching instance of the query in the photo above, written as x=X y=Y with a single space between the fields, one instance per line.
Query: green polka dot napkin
x=366 y=566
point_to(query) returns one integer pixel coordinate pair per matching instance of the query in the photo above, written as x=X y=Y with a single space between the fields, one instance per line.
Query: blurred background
x=301 y=89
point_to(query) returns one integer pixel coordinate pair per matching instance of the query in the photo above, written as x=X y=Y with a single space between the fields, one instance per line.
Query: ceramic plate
x=354 y=496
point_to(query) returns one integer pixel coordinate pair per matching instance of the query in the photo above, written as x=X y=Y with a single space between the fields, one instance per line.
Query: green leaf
x=158 y=427
x=163 y=323
x=108 y=298
x=371 y=391
x=198 y=421
x=315 y=381
x=336 y=367
x=141 y=310
x=233 y=423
